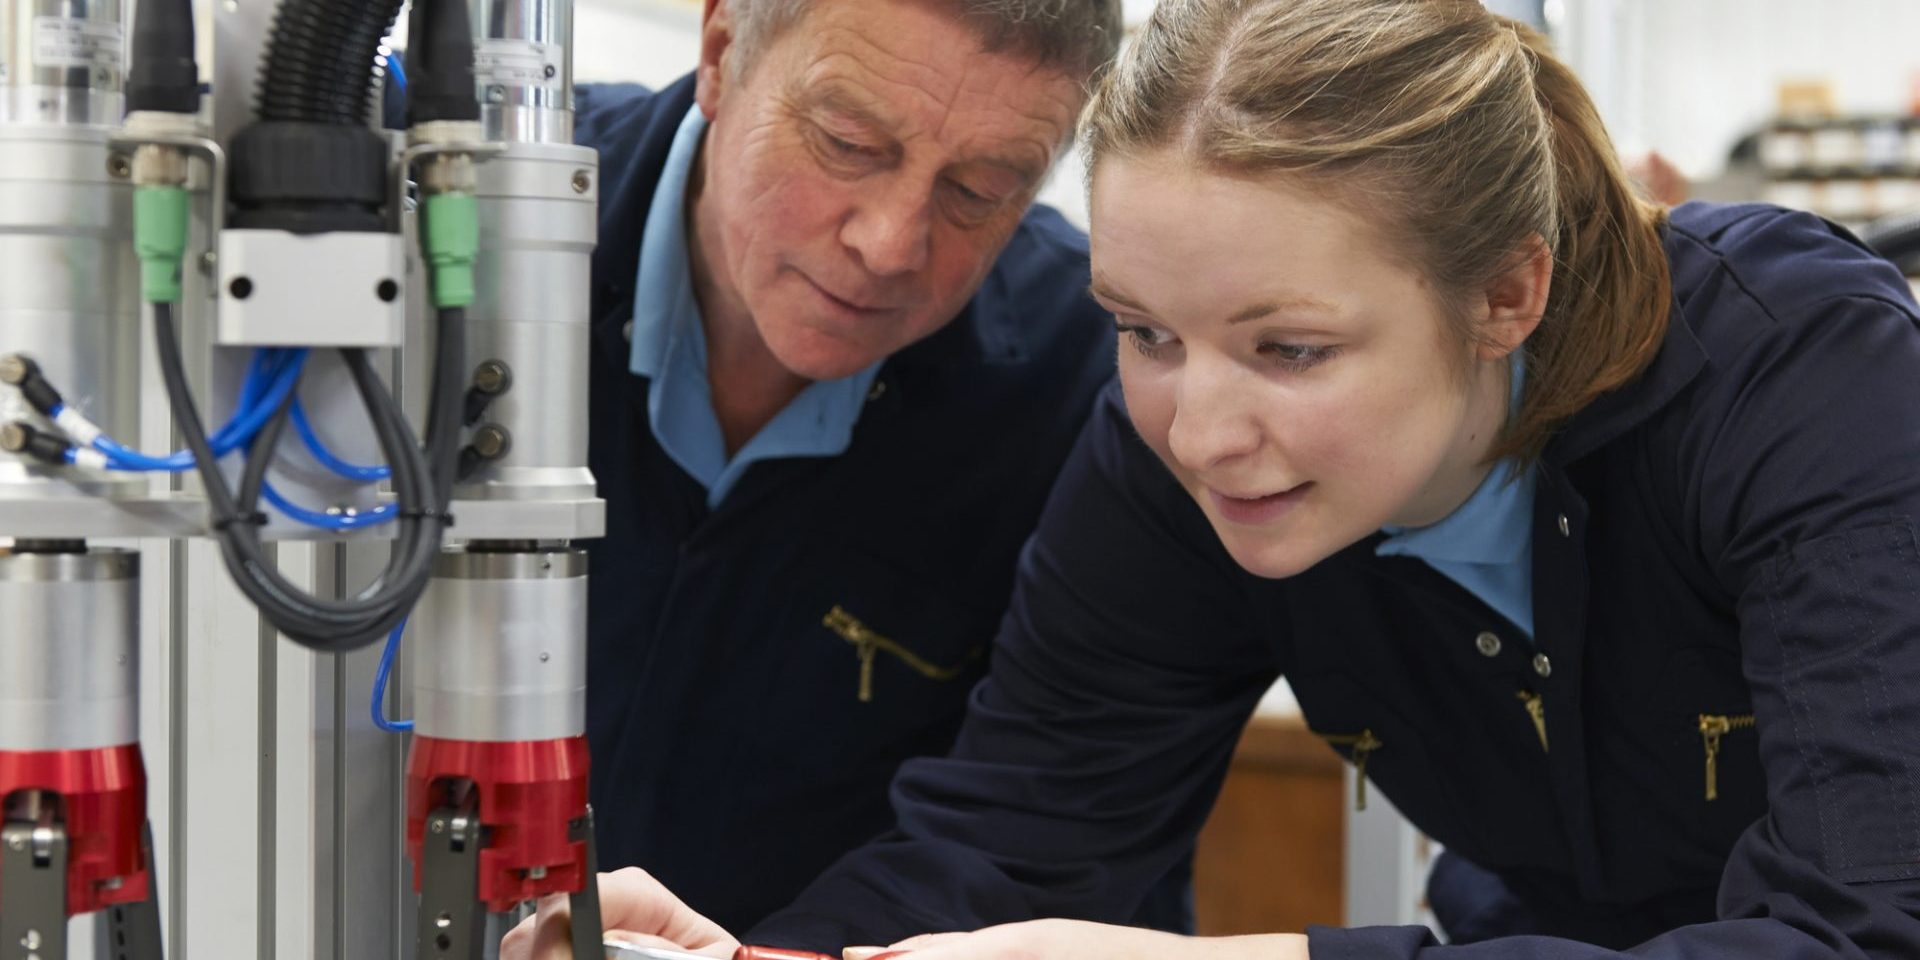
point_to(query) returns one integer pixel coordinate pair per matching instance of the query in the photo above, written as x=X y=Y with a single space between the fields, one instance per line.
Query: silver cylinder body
x=500 y=651
x=538 y=204
x=62 y=61
x=69 y=295
x=523 y=64
x=69 y=666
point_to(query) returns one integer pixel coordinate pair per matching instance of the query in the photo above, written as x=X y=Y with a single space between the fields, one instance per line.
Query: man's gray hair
x=1076 y=37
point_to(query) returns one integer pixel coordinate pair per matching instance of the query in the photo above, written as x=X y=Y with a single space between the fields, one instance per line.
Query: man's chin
x=814 y=355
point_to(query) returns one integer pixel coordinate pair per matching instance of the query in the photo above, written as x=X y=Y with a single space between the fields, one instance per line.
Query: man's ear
x=716 y=40
x=1516 y=299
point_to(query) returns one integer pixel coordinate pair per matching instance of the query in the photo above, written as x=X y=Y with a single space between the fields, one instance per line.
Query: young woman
x=1587 y=529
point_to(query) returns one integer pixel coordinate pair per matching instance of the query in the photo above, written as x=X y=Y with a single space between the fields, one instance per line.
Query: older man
x=837 y=364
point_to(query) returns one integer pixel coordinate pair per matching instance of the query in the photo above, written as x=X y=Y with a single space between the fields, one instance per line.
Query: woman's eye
x=1296 y=356
x=1148 y=341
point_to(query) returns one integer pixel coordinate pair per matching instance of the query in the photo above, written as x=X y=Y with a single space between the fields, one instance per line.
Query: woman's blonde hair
x=1458 y=132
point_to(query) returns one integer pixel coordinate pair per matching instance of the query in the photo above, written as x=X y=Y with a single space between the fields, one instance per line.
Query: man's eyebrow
x=836 y=97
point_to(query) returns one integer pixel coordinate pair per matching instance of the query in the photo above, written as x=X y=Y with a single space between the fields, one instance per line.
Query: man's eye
x=844 y=147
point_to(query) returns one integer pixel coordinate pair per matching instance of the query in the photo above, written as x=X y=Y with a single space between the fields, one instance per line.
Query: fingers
x=631 y=899
x=633 y=903
x=920 y=942
x=518 y=943
x=553 y=929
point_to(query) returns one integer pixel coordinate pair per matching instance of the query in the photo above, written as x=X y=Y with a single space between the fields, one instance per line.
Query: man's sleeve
x=1093 y=750
x=1802 y=466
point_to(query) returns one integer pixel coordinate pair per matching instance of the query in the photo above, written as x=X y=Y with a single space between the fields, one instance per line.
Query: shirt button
x=878 y=390
x=1566 y=529
x=1542 y=665
x=1488 y=644
x=626 y=331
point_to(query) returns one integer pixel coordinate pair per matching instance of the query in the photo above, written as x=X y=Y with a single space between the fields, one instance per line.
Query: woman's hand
x=1080 y=940
x=633 y=906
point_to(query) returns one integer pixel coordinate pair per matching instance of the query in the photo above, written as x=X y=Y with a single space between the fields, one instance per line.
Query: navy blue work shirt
x=1731 y=537
x=758 y=671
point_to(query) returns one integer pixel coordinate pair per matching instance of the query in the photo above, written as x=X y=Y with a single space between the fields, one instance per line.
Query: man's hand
x=1080 y=940
x=634 y=906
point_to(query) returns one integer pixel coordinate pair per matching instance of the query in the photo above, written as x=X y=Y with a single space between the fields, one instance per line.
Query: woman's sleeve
x=1800 y=469
x=1092 y=752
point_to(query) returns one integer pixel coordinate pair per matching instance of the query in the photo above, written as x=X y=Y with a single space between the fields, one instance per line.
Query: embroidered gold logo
x=866 y=644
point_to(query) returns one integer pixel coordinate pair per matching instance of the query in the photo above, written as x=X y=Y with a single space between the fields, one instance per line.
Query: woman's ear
x=716 y=39
x=1516 y=299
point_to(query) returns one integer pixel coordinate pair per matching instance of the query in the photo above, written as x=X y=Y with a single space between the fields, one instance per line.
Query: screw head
x=438 y=826
x=32 y=940
x=582 y=181
x=492 y=377
x=119 y=166
x=544 y=656
x=14 y=369
x=496 y=94
x=13 y=439
x=18 y=843
x=492 y=441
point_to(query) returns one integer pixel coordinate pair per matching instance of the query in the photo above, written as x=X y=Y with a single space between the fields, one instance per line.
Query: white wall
x=652 y=42
x=1689 y=77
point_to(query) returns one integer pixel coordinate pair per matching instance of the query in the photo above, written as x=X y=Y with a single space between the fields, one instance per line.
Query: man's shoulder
x=1035 y=298
x=615 y=118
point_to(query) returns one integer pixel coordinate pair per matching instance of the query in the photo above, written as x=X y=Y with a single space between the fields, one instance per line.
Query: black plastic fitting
x=19 y=370
x=19 y=437
x=164 y=76
x=440 y=80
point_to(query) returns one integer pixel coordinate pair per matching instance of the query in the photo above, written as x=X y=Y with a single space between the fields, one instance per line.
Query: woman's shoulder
x=1742 y=270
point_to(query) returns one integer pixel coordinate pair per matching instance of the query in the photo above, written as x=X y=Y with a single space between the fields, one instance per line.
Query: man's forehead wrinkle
x=924 y=76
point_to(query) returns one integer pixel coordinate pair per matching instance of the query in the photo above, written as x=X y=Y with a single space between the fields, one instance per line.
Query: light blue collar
x=670 y=349
x=1486 y=543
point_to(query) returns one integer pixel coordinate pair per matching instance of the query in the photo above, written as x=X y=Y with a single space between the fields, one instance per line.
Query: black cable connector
x=163 y=76
x=19 y=437
x=19 y=370
x=440 y=80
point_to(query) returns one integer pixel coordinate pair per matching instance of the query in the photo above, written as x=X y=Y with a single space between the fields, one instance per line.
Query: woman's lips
x=1254 y=511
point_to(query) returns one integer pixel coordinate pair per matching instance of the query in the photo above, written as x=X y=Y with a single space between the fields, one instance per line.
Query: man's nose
x=1213 y=420
x=891 y=227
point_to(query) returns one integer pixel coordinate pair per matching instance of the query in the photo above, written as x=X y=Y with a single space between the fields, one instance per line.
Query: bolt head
x=32 y=940
x=492 y=377
x=18 y=843
x=491 y=441
x=582 y=181
x=13 y=369
x=438 y=826
x=118 y=166
x=13 y=438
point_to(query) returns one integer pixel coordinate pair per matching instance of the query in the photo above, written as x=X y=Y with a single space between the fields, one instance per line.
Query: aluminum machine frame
x=244 y=795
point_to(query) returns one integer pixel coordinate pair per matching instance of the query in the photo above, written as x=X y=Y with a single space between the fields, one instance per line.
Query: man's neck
x=748 y=383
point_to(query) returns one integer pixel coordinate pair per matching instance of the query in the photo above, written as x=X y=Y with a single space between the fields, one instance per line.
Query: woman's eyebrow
x=1104 y=292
